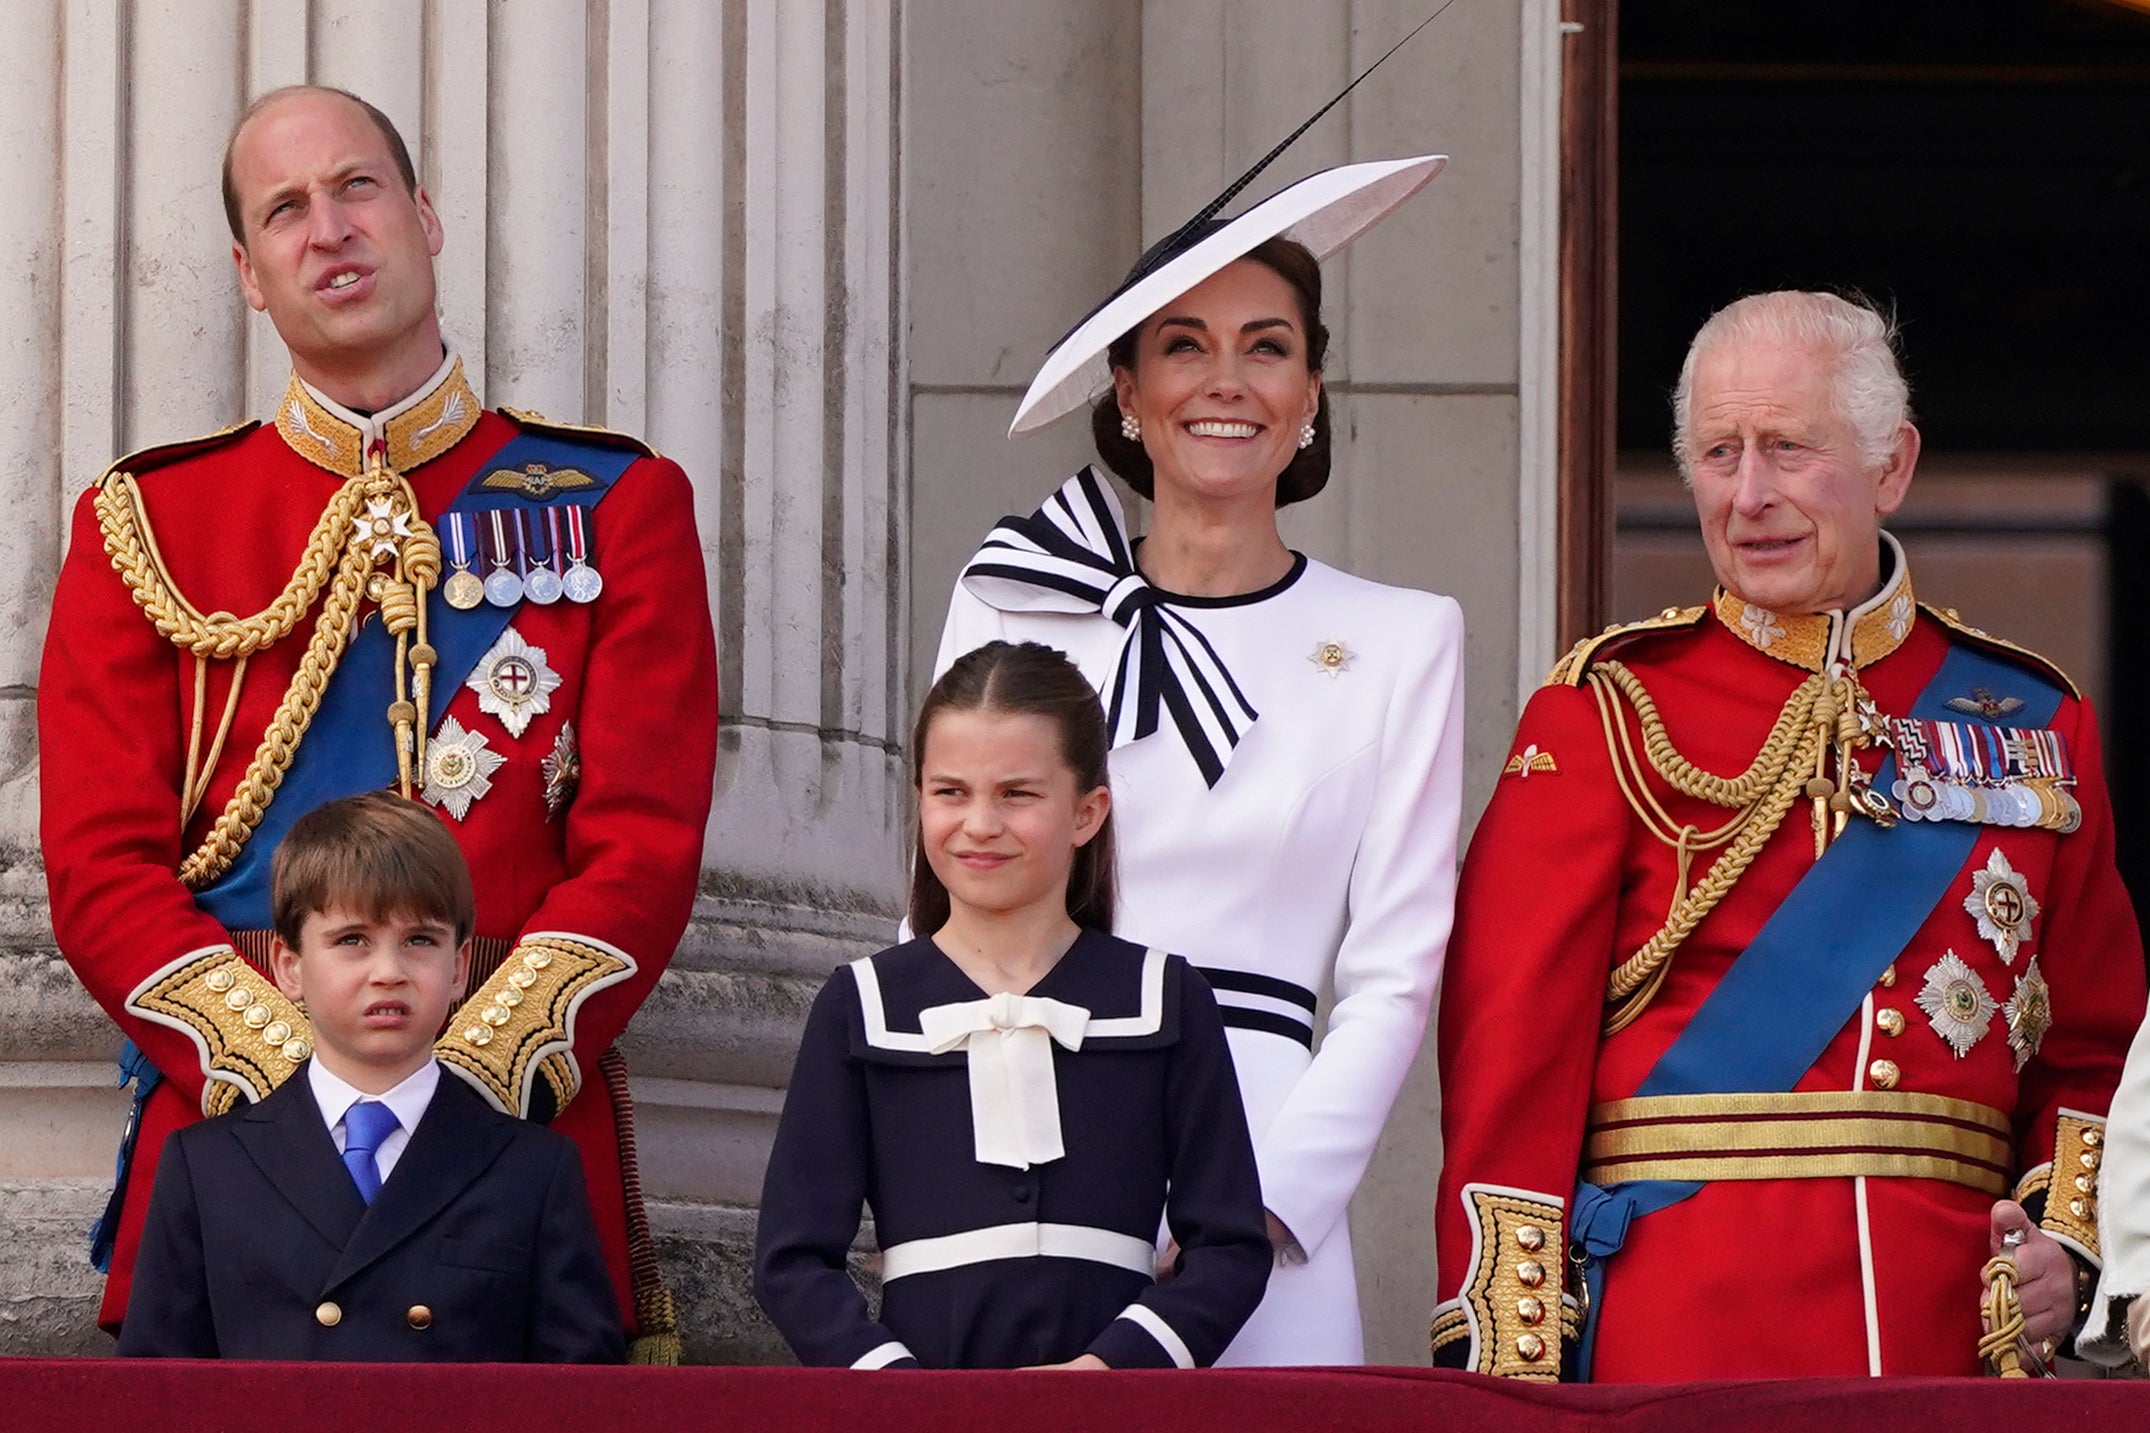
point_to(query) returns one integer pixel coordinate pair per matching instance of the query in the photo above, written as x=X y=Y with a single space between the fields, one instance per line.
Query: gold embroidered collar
x=1810 y=640
x=414 y=431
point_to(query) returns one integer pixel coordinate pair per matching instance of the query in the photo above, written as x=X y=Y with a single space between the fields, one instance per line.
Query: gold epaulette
x=2044 y=666
x=144 y=460
x=609 y=437
x=1570 y=670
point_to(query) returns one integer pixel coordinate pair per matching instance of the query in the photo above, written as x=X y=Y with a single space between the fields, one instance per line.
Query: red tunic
x=619 y=864
x=1828 y=1275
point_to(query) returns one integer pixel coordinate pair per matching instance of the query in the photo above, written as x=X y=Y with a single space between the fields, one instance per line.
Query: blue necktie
x=365 y=1125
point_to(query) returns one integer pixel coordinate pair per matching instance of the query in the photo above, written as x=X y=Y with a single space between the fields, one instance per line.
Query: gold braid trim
x=249 y=1036
x=339 y=555
x=1763 y=794
x=519 y=1026
x=1514 y=1289
x=2071 y=1204
x=1825 y=714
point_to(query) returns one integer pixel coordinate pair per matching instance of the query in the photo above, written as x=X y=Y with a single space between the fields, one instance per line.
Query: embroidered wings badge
x=1982 y=703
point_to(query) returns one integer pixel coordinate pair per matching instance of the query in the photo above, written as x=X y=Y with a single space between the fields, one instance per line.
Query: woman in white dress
x=1287 y=737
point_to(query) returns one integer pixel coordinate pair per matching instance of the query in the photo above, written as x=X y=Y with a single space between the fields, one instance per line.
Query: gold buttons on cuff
x=522 y=979
x=1530 y=1310
x=1529 y=1236
x=328 y=1315
x=2085 y=1183
x=1884 y=1074
x=257 y=1018
x=509 y=996
x=2088 y=1159
x=296 y=1049
x=2092 y=1138
x=420 y=1317
x=1530 y=1273
x=480 y=1035
x=1888 y=976
x=1891 y=1022
x=494 y=1015
x=238 y=998
x=2079 y=1208
x=537 y=959
x=1530 y=1348
x=219 y=981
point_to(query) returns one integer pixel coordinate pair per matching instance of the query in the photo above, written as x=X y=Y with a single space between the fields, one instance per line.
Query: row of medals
x=516 y=576
x=2021 y=801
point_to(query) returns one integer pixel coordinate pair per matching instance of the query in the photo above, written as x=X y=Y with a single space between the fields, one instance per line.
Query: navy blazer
x=478 y=1248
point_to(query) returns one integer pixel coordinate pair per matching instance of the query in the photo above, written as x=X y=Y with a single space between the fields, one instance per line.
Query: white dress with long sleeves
x=1325 y=855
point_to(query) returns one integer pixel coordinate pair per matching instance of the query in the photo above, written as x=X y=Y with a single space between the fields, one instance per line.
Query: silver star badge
x=1331 y=657
x=513 y=683
x=1956 y=1003
x=2002 y=904
x=2029 y=1012
x=459 y=768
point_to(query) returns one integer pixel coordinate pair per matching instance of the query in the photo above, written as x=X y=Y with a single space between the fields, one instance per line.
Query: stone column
x=703 y=250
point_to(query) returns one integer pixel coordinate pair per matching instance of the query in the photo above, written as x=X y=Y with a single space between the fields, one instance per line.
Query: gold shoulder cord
x=369 y=542
x=1822 y=713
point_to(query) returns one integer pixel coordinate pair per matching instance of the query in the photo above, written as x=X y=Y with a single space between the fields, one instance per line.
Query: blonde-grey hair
x=1857 y=340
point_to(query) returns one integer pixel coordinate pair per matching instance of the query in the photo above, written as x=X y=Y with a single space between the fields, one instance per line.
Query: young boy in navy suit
x=370 y=1207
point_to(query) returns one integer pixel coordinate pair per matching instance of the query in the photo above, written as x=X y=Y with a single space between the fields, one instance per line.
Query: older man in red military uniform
x=504 y=618
x=1833 y=985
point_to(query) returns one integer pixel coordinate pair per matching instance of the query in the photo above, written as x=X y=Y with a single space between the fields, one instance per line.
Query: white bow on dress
x=1008 y=1040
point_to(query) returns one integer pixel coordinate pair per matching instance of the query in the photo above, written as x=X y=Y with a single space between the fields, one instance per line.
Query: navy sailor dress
x=1023 y=1260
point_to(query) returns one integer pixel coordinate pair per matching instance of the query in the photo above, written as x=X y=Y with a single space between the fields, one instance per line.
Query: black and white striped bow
x=1073 y=555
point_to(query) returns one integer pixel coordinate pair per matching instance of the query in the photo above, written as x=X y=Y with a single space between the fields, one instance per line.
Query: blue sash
x=349 y=746
x=1790 y=991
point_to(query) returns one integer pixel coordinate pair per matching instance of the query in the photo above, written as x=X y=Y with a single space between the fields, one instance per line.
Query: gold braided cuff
x=519 y=1027
x=249 y=1036
x=2071 y=1184
x=1512 y=1301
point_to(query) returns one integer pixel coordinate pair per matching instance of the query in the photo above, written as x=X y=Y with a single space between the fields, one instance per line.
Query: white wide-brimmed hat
x=1324 y=211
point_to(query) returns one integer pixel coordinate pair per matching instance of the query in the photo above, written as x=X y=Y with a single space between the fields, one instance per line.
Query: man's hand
x=2045 y=1273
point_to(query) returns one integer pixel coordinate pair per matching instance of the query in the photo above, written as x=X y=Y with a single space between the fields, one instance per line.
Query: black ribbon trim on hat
x=1073 y=555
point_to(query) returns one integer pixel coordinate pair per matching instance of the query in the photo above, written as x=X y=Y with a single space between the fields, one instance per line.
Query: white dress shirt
x=407 y=1101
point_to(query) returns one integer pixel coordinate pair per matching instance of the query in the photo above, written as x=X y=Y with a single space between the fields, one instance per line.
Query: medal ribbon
x=458 y=525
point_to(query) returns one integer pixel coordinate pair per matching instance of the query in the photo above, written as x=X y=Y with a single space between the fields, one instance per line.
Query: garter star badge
x=2029 y=1013
x=1331 y=657
x=1956 y=1003
x=562 y=770
x=2002 y=904
x=513 y=682
x=459 y=768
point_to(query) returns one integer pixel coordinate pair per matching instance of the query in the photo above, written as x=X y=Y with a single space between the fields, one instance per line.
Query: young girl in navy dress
x=1016 y=1094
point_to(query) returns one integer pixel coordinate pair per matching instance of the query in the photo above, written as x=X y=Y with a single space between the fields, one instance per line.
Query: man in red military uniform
x=1827 y=998
x=504 y=618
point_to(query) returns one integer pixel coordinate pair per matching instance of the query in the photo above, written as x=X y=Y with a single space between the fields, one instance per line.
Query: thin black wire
x=1171 y=246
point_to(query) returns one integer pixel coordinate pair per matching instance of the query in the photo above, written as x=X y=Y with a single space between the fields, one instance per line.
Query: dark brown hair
x=376 y=855
x=1308 y=471
x=1024 y=679
x=398 y=151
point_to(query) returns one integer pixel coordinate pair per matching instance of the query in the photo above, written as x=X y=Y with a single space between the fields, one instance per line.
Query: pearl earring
x=1130 y=427
x=1306 y=435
